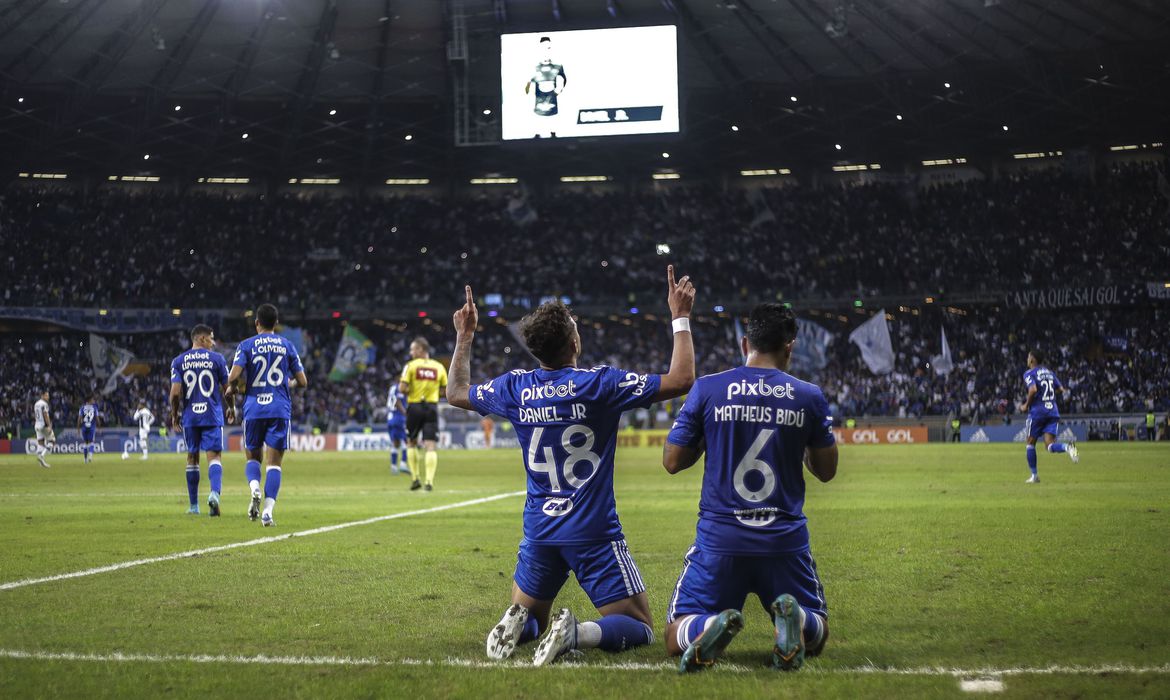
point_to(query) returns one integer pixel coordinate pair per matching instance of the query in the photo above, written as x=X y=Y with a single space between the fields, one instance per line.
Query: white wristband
x=681 y=325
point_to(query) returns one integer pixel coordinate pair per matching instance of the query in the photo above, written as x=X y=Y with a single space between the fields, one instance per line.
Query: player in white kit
x=144 y=418
x=44 y=425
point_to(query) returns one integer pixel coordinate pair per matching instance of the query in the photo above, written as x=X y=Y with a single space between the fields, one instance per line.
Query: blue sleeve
x=175 y=378
x=241 y=357
x=688 y=427
x=628 y=390
x=489 y=398
x=1029 y=379
x=294 y=359
x=821 y=423
x=221 y=369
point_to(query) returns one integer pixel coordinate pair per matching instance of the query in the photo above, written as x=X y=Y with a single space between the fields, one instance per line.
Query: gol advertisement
x=882 y=435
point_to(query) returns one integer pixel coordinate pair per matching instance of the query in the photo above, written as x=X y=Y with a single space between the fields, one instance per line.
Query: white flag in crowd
x=811 y=352
x=943 y=363
x=873 y=339
x=109 y=361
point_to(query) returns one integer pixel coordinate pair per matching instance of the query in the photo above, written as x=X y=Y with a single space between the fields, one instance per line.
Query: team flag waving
x=873 y=339
x=943 y=364
x=355 y=353
x=109 y=361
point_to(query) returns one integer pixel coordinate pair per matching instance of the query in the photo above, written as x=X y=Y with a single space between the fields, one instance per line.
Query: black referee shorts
x=422 y=418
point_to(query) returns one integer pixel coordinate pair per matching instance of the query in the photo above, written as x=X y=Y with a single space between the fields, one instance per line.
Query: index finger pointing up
x=670 y=276
x=470 y=298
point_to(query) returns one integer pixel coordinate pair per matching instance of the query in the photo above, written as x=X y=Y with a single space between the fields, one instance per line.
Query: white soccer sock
x=254 y=485
x=588 y=635
x=269 y=504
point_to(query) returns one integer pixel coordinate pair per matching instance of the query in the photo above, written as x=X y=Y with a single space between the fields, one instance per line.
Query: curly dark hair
x=771 y=326
x=548 y=332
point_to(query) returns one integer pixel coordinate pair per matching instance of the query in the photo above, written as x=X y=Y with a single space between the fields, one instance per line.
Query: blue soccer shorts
x=88 y=435
x=397 y=431
x=273 y=432
x=606 y=570
x=205 y=438
x=1044 y=424
x=711 y=583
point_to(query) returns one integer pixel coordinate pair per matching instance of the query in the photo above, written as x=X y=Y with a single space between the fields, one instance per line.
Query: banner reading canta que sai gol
x=882 y=435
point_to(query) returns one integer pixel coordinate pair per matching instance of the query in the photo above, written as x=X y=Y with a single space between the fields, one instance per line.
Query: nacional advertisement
x=593 y=82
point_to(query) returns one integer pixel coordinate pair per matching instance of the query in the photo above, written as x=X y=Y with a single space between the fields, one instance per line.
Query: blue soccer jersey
x=201 y=375
x=395 y=401
x=567 y=423
x=269 y=361
x=1044 y=405
x=88 y=415
x=756 y=423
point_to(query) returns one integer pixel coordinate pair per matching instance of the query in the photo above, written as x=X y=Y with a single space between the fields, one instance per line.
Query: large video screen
x=593 y=82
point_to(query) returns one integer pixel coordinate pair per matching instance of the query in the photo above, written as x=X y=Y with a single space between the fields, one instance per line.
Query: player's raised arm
x=466 y=320
x=681 y=376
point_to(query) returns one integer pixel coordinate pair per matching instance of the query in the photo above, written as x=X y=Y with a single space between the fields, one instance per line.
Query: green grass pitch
x=932 y=556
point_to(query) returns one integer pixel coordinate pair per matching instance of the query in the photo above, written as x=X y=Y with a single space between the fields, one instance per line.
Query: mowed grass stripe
x=454 y=662
x=250 y=543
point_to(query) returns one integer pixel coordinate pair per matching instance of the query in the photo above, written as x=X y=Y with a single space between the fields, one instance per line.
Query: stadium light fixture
x=855 y=168
x=317 y=181
x=898 y=117
x=662 y=249
x=665 y=154
x=1037 y=154
x=408 y=137
x=837 y=146
x=133 y=178
x=44 y=176
x=666 y=176
x=494 y=180
x=734 y=127
x=225 y=180
x=244 y=135
x=487 y=112
x=398 y=181
x=765 y=171
x=176 y=312
x=947 y=85
x=333 y=112
x=20 y=100
x=792 y=98
x=178 y=108
x=146 y=156
x=585 y=178
x=1005 y=127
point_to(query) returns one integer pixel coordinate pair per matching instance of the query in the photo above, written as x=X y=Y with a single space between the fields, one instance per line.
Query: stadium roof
x=324 y=87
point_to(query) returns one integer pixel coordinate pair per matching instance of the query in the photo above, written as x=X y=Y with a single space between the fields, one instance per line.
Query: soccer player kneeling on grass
x=757 y=424
x=566 y=420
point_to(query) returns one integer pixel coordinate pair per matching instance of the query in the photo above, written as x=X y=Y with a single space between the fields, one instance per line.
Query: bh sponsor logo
x=556 y=507
x=199 y=408
x=757 y=517
x=760 y=388
x=264 y=399
x=548 y=391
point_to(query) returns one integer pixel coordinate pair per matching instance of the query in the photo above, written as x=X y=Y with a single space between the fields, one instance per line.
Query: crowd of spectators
x=1031 y=229
x=1111 y=361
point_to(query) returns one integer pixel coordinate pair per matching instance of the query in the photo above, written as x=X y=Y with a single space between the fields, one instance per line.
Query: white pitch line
x=249 y=543
x=264 y=660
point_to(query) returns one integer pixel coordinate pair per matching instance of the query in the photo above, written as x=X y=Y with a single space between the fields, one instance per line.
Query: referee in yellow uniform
x=422 y=380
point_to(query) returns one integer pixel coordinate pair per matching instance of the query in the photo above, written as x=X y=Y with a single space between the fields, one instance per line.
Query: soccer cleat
x=502 y=640
x=429 y=487
x=193 y=510
x=41 y=459
x=704 y=650
x=560 y=639
x=1033 y=480
x=254 y=508
x=213 y=504
x=788 y=654
x=266 y=520
x=1073 y=453
x=415 y=485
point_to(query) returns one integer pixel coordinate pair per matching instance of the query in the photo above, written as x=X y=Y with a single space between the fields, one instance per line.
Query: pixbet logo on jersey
x=760 y=388
x=548 y=391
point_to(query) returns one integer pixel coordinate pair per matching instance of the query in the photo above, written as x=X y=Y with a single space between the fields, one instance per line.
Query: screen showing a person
x=593 y=82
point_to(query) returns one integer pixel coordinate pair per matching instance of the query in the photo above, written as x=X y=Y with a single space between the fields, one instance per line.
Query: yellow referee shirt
x=423 y=379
